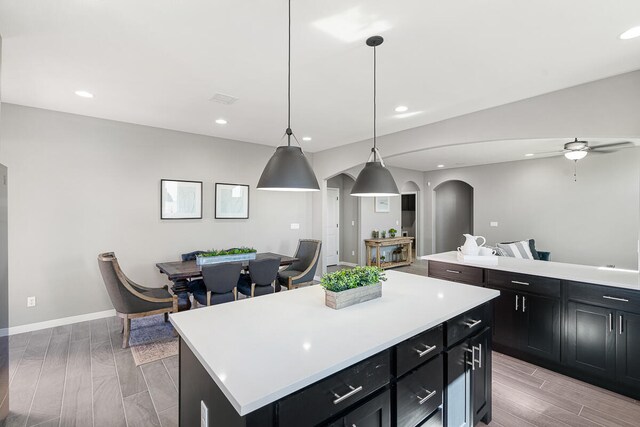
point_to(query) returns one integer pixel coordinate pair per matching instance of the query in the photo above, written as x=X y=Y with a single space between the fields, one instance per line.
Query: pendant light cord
x=289 y=131
x=375 y=153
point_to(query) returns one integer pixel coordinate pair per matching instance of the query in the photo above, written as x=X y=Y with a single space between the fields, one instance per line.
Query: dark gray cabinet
x=374 y=413
x=628 y=349
x=591 y=339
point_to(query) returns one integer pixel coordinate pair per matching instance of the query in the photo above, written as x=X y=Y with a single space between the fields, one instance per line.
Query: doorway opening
x=453 y=214
x=342 y=225
x=409 y=214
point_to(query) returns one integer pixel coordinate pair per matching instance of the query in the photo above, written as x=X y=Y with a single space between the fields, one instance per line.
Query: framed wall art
x=383 y=204
x=232 y=201
x=180 y=199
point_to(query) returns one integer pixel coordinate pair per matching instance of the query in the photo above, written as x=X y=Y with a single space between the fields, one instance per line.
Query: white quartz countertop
x=618 y=278
x=261 y=349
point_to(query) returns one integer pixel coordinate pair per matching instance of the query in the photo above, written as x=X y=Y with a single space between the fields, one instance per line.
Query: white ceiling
x=158 y=62
x=483 y=153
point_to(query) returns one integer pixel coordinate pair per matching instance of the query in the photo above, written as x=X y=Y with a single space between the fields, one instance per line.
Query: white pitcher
x=471 y=246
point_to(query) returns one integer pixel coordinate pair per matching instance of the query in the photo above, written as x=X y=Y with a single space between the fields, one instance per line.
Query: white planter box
x=338 y=300
x=206 y=260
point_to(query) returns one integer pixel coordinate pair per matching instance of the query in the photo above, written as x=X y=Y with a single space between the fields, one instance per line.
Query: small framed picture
x=232 y=201
x=383 y=204
x=180 y=199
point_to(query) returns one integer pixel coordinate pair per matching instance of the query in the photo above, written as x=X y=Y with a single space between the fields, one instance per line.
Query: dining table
x=181 y=272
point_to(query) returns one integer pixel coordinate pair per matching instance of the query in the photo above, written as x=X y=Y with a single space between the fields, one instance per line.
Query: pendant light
x=288 y=169
x=375 y=179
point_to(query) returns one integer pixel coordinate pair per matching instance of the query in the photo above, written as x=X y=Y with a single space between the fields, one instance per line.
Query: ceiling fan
x=576 y=150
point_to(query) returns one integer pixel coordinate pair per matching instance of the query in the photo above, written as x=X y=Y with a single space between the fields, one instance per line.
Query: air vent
x=224 y=99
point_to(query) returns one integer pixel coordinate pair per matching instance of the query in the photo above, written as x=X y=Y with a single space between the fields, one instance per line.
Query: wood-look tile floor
x=78 y=375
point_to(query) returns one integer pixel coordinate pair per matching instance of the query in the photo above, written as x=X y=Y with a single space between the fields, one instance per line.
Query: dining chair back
x=220 y=281
x=302 y=272
x=262 y=274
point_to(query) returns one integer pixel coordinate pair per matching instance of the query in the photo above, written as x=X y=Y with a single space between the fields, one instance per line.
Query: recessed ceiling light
x=221 y=121
x=306 y=138
x=631 y=33
x=401 y=109
x=84 y=94
x=440 y=166
x=529 y=155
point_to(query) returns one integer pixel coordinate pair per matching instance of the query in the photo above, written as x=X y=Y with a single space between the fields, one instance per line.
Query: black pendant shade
x=375 y=179
x=288 y=170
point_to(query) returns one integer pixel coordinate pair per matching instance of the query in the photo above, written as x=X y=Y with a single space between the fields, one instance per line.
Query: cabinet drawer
x=417 y=350
x=435 y=420
x=420 y=393
x=467 y=324
x=456 y=273
x=616 y=298
x=524 y=283
x=331 y=395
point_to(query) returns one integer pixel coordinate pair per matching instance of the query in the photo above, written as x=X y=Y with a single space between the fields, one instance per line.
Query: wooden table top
x=188 y=269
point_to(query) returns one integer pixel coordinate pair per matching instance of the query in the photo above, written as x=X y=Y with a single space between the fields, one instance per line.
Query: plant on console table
x=348 y=287
x=392 y=232
x=215 y=256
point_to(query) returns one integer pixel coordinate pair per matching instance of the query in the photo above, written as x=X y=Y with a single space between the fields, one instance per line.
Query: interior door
x=628 y=348
x=332 y=252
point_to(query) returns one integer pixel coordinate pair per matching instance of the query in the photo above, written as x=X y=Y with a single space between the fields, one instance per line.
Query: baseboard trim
x=30 y=327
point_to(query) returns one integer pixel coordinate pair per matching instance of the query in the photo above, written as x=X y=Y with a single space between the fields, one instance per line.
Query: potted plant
x=392 y=232
x=215 y=256
x=348 y=287
x=383 y=258
x=383 y=234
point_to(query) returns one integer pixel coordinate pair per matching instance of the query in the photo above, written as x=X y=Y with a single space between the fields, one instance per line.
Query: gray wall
x=349 y=218
x=604 y=108
x=80 y=186
x=4 y=283
x=453 y=207
x=593 y=221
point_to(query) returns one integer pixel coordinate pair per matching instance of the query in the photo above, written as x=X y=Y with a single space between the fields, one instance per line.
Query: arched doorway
x=453 y=214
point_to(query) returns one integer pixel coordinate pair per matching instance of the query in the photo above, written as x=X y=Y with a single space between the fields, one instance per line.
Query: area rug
x=152 y=339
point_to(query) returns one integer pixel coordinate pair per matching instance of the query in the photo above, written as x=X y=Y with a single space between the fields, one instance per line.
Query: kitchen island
x=288 y=360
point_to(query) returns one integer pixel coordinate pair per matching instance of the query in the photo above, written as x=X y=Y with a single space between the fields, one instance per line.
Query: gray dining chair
x=220 y=281
x=131 y=300
x=262 y=275
x=302 y=272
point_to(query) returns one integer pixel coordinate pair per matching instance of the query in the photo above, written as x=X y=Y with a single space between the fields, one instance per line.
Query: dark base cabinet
x=411 y=384
x=590 y=332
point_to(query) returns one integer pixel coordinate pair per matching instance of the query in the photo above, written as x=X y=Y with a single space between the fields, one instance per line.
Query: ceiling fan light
x=288 y=170
x=575 y=154
x=374 y=180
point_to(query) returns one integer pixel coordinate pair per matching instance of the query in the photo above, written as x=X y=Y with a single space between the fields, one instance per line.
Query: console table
x=406 y=255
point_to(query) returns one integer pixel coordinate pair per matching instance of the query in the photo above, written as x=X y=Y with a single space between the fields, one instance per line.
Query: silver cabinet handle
x=473 y=358
x=427 y=397
x=453 y=271
x=516 y=282
x=479 y=355
x=426 y=351
x=473 y=323
x=346 y=396
x=615 y=298
x=610 y=322
x=524 y=304
x=517 y=297
x=621 y=320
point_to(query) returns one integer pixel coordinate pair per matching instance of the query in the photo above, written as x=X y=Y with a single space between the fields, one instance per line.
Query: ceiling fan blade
x=613 y=144
x=602 y=151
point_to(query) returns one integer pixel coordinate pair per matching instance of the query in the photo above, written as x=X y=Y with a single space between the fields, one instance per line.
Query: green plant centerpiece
x=352 y=286
x=392 y=232
x=215 y=256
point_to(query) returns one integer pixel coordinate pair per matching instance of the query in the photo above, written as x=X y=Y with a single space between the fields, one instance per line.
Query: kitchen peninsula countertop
x=261 y=349
x=626 y=279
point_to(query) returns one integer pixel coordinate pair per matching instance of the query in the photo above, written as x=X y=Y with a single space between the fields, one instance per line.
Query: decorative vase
x=206 y=260
x=338 y=300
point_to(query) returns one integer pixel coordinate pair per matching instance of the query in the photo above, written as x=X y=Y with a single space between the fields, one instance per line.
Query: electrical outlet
x=31 y=301
x=353 y=253
x=353 y=223
x=397 y=222
x=204 y=415
x=494 y=223
x=295 y=226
